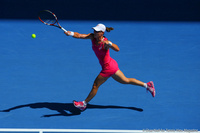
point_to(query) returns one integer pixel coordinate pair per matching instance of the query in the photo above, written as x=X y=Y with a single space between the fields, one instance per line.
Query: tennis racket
x=49 y=18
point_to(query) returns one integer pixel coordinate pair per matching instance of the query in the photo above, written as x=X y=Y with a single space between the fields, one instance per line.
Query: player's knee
x=125 y=81
x=95 y=86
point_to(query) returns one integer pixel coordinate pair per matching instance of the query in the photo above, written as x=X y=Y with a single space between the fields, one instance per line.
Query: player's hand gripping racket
x=49 y=18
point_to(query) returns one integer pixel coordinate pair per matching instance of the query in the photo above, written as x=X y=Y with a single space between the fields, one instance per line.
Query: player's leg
x=97 y=83
x=120 y=77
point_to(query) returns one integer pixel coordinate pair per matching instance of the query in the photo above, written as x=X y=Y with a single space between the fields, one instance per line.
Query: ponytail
x=108 y=29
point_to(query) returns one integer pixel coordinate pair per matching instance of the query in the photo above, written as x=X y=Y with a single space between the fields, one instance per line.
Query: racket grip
x=63 y=29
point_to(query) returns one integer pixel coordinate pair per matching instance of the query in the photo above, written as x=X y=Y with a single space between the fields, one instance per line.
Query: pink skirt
x=109 y=69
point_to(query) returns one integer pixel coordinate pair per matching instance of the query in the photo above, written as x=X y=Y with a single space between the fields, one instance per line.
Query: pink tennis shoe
x=80 y=105
x=151 y=89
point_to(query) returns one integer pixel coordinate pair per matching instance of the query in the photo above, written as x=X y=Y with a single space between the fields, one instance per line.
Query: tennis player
x=101 y=46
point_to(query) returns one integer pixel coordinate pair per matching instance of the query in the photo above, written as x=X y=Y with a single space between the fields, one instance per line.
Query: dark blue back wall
x=138 y=10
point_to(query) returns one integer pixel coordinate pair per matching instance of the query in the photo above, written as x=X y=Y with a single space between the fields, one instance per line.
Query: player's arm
x=78 y=35
x=109 y=44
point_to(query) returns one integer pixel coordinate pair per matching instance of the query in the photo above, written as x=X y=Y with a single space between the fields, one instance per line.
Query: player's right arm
x=78 y=35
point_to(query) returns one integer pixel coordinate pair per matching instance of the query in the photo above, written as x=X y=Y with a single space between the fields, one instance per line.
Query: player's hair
x=108 y=29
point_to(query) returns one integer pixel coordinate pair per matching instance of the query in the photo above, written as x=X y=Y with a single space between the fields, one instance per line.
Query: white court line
x=96 y=130
x=69 y=130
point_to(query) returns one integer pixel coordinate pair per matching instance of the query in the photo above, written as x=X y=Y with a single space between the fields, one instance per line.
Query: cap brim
x=96 y=29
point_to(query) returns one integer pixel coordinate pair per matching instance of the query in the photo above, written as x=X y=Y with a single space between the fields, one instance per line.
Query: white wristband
x=110 y=43
x=71 y=34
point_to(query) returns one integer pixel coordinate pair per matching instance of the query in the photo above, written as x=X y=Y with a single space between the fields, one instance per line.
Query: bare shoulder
x=91 y=36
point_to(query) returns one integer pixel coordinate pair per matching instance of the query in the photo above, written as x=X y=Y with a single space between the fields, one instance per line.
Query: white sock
x=145 y=85
x=84 y=103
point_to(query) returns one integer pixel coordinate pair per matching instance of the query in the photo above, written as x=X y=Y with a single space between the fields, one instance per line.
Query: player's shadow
x=67 y=109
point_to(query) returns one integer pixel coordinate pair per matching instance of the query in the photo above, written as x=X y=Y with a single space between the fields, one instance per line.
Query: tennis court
x=41 y=77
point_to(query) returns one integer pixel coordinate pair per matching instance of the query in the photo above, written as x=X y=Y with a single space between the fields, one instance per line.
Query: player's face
x=98 y=34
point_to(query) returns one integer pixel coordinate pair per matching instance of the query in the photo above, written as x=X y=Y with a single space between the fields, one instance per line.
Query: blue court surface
x=39 y=78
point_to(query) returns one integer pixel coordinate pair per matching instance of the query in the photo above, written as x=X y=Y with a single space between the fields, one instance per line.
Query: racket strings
x=47 y=17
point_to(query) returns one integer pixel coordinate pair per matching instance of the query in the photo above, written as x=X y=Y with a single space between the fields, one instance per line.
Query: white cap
x=100 y=27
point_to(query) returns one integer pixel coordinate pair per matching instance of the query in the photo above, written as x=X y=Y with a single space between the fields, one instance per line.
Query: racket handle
x=63 y=29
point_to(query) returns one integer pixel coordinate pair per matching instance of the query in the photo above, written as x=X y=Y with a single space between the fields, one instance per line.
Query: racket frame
x=54 y=24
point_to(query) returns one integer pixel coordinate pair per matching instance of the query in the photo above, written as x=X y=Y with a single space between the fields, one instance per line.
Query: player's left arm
x=109 y=44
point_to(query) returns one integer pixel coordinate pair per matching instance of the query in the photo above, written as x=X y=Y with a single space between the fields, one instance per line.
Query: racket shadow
x=66 y=109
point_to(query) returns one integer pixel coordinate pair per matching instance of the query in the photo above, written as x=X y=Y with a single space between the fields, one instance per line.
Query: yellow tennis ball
x=33 y=36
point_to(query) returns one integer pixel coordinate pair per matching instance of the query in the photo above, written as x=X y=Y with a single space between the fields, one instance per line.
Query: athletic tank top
x=102 y=54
